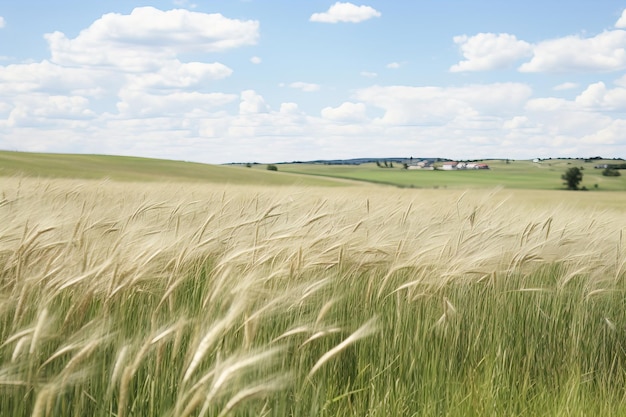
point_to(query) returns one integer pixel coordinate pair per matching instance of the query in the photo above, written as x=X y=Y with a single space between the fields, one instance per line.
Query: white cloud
x=598 y=97
x=393 y=65
x=2 y=22
x=48 y=110
x=565 y=86
x=600 y=53
x=368 y=74
x=185 y=3
x=603 y=52
x=346 y=112
x=48 y=77
x=489 y=51
x=612 y=134
x=621 y=22
x=305 y=87
x=345 y=12
x=175 y=74
x=289 y=108
x=500 y=120
x=139 y=99
x=517 y=122
x=252 y=103
x=145 y=38
x=621 y=81
x=256 y=60
x=426 y=105
x=571 y=120
x=138 y=103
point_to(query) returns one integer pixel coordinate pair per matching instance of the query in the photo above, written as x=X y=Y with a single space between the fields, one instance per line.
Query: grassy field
x=181 y=299
x=515 y=174
x=123 y=168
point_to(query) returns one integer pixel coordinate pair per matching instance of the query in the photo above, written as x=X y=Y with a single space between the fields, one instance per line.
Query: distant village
x=446 y=166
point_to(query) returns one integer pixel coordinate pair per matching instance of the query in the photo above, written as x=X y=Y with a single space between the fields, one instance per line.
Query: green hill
x=123 y=168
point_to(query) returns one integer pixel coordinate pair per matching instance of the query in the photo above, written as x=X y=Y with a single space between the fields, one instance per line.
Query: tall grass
x=189 y=300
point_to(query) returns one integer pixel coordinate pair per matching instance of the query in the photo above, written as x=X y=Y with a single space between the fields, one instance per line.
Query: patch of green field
x=515 y=174
x=123 y=168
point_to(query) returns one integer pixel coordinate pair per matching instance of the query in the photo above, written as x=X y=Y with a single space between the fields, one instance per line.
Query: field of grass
x=515 y=174
x=122 y=168
x=180 y=299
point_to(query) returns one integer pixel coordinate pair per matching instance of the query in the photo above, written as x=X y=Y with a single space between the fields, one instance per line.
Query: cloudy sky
x=281 y=80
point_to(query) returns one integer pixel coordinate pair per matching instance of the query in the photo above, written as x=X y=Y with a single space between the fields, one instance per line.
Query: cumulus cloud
x=42 y=110
x=621 y=81
x=489 y=51
x=252 y=103
x=369 y=74
x=612 y=134
x=621 y=22
x=345 y=12
x=565 y=86
x=48 y=77
x=425 y=105
x=393 y=65
x=147 y=36
x=139 y=103
x=2 y=22
x=112 y=89
x=517 y=122
x=185 y=3
x=346 y=112
x=306 y=87
x=256 y=60
x=598 y=97
x=175 y=74
x=603 y=52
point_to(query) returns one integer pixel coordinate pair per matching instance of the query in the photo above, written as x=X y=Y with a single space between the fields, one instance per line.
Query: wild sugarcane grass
x=144 y=299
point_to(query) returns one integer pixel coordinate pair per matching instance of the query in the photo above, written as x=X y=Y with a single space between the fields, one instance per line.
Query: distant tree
x=391 y=164
x=248 y=165
x=386 y=164
x=272 y=168
x=572 y=177
x=378 y=164
x=610 y=172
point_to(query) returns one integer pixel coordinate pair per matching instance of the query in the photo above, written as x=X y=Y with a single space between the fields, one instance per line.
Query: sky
x=218 y=81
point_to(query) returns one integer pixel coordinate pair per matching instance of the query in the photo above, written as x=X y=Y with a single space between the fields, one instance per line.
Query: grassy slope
x=517 y=174
x=143 y=169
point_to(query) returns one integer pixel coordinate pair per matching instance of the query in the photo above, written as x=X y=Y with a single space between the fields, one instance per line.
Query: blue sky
x=278 y=80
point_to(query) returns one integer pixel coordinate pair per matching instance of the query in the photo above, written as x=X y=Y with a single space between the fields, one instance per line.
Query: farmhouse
x=424 y=164
x=449 y=166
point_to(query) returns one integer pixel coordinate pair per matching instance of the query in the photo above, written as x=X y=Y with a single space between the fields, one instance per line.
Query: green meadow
x=524 y=174
x=161 y=293
x=123 y=168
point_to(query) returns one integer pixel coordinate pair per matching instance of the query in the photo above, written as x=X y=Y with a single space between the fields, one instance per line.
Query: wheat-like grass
x=189 y=299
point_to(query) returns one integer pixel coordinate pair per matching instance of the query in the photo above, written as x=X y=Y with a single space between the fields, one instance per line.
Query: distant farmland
x=524 y=174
